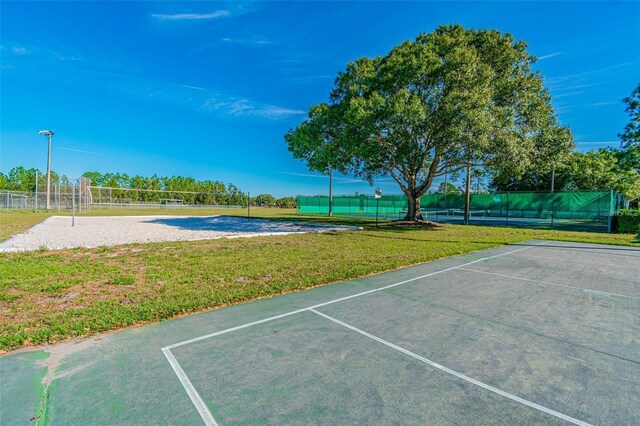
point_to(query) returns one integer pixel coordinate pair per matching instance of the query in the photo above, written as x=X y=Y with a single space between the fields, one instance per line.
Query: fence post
x=507 y=207
x=611 y=211
x=73 y=205
x=553 y=200
x=7 y=201
x=35 y=200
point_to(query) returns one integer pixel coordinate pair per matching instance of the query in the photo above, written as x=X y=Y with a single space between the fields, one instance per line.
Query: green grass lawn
x=13 y=222
x=48 y=296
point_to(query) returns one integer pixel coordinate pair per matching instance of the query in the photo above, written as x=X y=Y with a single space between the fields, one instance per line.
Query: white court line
x=191 y=391
x=455 y=373
x=609 y=249
x=228 y=330
x=586 y=290
x=193 y=394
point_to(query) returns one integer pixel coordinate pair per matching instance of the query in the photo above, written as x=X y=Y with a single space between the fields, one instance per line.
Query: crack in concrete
x=57 y=353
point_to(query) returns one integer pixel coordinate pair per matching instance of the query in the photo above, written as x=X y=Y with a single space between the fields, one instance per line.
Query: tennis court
x=541 y=332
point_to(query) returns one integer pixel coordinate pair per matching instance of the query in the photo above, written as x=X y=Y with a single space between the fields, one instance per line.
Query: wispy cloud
x=242 y=107
x=551 y=55
x=563 y=95
x=22 y=53
x=250 y=41
x=243 y=40
x=77 y=150
x=191 y=16
x=186 y=86
x=19 y=50
x=606 y=103
x=124 y=81
x=573 y=77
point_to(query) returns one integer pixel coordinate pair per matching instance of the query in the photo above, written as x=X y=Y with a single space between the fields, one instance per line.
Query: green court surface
x=541 y=332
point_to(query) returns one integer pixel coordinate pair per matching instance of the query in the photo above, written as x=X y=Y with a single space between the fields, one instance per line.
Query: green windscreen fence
x=575 y=210
x=389 y=206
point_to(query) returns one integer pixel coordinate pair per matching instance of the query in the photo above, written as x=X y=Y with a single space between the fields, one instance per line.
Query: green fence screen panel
x=387 y=206
x=521 y=208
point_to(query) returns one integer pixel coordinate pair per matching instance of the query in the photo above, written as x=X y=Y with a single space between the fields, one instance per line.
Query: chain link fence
x=62 y=197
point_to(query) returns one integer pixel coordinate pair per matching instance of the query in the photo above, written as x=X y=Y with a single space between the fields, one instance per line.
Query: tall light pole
x=49 y=134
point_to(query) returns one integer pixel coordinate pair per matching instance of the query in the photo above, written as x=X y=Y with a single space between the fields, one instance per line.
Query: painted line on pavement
x=297 y=311
x=204 y=412
x=455 y=373
x=585 y=290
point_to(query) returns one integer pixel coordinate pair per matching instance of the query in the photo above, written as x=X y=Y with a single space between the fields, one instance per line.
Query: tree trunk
x=413 y=207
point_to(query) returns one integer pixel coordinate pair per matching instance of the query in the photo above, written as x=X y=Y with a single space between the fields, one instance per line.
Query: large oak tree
x=450 y=100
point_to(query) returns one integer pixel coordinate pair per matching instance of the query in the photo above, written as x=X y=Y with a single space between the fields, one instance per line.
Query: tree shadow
x=240 y=225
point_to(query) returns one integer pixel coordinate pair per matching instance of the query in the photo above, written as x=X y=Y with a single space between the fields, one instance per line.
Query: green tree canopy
x=631 y=135
x=4 y=181
x=265 y=200
x=286 y=203
x=447 y=188
x=599 y=170
x=450 y=99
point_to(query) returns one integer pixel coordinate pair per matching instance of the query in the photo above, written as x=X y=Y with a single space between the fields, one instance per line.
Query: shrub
x=628 y=221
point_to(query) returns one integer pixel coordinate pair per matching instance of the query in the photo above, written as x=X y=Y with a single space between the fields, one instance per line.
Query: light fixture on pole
x=378 y=195
x=48 y=134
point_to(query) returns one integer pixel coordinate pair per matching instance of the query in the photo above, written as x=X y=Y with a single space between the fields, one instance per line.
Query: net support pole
x=49 y=173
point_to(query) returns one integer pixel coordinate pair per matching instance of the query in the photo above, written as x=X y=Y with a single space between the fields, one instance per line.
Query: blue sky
x=208 y=89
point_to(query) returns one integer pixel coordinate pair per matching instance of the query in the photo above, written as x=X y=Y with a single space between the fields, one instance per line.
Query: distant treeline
x=143 y=189
x=186 y=189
